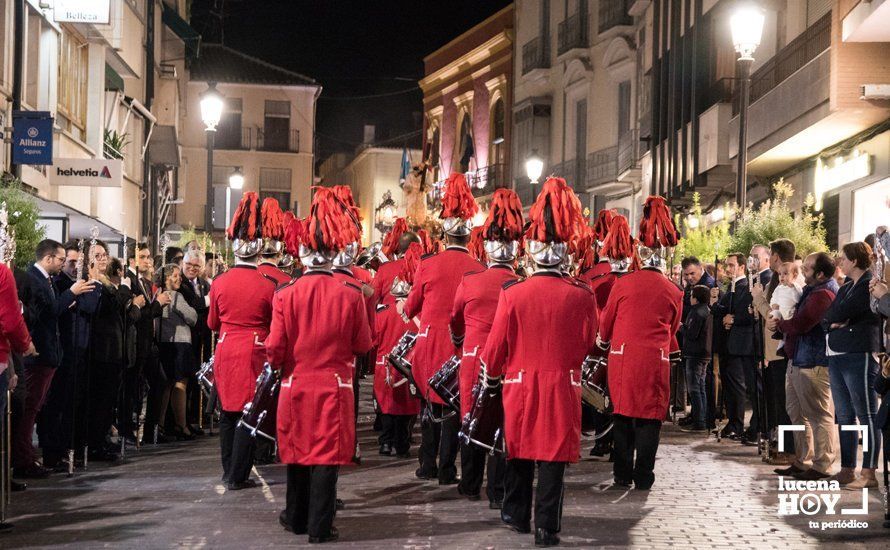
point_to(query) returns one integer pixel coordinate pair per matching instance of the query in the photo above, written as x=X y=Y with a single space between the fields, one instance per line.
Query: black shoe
x=420 y=474
x=105 y=455
x=470 y=496
x=406 y=454
x=17 y=486
x=33 y=471
x=545 y=537
x=495 y=504
x=238 y=485
x=749 y=440
x=451 y=481
x=810 y=475
x=693 y=429
x=789 y=471
x=339 y=504
x=178 y=434
x=523 y=528
x=685 y=421
x=600 y=449
x=282 y=520
x=196 y=430
x=622 y=483
x=729 y=434
x=330 y=537
x=386 y=449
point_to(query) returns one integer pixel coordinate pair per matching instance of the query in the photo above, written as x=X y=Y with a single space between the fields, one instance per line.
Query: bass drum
x=258 y=416
x=484 y=424
x=446 y=383
x=596 y=406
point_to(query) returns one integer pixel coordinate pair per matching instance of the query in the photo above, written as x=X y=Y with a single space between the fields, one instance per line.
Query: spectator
x=196 y=291
x=760 y=263
x=693 y=274
x=697 y=352
x=173 y=255
x=676 y=275
x=43 y=324
x=174 y=344
x=854 y=337
x=808 y=390
x=786 y=296
x=733 y=312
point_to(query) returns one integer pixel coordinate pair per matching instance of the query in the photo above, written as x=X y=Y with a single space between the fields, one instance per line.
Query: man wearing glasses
x=44 y=309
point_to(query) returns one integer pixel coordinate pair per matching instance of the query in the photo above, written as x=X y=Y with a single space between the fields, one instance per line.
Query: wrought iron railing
x=628 y=150
x=233 y=138
x=602 y=166
x=485 y=180
x=535 y=55
x=613 y=13
x=572 y=33
x=280 y=141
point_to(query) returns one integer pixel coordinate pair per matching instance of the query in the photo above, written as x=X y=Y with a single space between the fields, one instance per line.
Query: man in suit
x=196 y=291
x=45 y=307
x=694 y=274
x=140 y=265
x=733 y=312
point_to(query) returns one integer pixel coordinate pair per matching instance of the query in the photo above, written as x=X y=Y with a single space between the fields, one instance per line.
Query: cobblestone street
x=706 y=495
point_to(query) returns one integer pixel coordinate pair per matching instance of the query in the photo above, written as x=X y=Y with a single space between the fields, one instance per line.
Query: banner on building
x=32 y=137
x=87 y=172
x=82 y=11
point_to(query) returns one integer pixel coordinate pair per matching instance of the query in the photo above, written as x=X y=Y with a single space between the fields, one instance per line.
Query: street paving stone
x=706 y=495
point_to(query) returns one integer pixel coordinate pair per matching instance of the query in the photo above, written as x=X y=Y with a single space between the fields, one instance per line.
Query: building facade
x=467 y=102
x=266 y=132
x=97 y=82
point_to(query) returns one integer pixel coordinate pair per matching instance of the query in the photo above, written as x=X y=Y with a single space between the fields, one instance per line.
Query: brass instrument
x=369 y=254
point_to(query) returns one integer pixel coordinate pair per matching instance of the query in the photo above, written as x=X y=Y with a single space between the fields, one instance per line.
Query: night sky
x=353 y=48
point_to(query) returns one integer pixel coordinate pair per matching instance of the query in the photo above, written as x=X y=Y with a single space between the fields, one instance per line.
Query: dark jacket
x=200 y=333
x=145 y=345
x=861 y=332
x=109 y=325
x=44 y=309
x=804 y=335
x=740 y=340
x=697 y=332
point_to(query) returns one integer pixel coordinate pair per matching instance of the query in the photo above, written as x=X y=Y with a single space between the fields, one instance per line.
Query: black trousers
x=774 y=393
x=133 y=391
x=636 y=442
x=519 y=476
x=732 y=374
x=53 y=421
x=754 y=393
x=311 y=498
x=678 y=386
x=711 y=405
x=396 y=431
x=438 y=441
x=474 y=461
x=236 y=446
x=105 y=380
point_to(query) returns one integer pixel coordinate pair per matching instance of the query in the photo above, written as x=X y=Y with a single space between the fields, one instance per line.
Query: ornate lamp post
x=211 y=112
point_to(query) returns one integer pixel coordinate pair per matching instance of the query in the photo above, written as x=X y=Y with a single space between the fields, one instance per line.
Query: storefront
x=852 y=190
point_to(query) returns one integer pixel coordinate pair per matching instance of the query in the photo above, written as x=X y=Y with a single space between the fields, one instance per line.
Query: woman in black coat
x=854 y=339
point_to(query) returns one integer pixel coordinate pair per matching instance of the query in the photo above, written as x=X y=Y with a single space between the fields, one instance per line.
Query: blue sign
x=32 y=137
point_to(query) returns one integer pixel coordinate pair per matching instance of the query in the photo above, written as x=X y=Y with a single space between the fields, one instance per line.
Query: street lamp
x=747 y=27
x=211 y=112
x=534 y=166
x=236 y=182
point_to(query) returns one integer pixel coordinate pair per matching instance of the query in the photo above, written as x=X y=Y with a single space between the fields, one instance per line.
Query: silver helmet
x=457 y=227
x=547 y=254
x=246 y=249
x=500 y=251
x=653 y=258
x=400 y=288
x=346 y=257
x=315 y=258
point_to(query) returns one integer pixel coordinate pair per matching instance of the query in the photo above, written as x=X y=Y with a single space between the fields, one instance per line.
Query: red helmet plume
x=273 y=220
x=458 y=201
x=391 y=240
x=556 y=214
x=504 y=221
x=294 y=234
x=656 y=226
x=247 y=222
x=331 y=228
x=344 y=193
x=412 y=262
x=603 y=222
x=476 y=245
x=582 y=249
x=619 y=245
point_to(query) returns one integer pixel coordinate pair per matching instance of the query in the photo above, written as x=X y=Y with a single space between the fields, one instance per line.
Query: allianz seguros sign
x=86 y=172
x=32 y=137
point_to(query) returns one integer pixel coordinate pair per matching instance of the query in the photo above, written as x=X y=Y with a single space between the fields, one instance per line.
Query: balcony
x=613 y=13
x=628 y=151
x=233 y=139
x=602 y=166
x=278 y=141
x=535 y=55
x=572 y=33
x=485 y=180
x=790 y=59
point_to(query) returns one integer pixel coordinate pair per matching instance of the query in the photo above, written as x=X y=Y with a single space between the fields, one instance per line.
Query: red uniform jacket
x=432 y=297
x=544 y=327
x=599 y=268
x=272 y=271
x=361 y=274
x=640 y=321
x=391 y=389
x=13 y=330
x=348 y=275
x=471 y=316
x=241 y=311
x=382 y=282
x=319 y=325
x=601 y=285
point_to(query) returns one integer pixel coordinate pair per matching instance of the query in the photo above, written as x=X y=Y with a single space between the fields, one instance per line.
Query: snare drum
x=258 y=416
x=446 y=383
x=484 y=424
x=594 y=384
x=205 y=377
x=399 y=357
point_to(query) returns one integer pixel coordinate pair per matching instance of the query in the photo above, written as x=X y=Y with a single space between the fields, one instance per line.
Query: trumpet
x=369 y=254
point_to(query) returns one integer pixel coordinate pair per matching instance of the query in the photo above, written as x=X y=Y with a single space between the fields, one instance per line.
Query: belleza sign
x=82 y=11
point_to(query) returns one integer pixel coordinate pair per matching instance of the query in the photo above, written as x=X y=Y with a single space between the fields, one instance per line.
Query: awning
x=64 y=222
x=164 y=148
x=183 y=30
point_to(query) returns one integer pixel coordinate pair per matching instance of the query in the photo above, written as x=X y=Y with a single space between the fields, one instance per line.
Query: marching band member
x=241 y=311
x=600 y=231
x=319 y=326
x=471 y=316
x=392 y=390
x=395 y=245
x=273 y=242
x=641 y=345
x=432 y=298
x=541 y=379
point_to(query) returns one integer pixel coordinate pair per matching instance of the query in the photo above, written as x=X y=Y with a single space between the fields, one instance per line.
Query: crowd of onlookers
x=798 y=340
x=100 y=353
